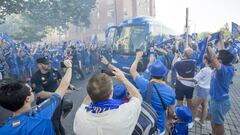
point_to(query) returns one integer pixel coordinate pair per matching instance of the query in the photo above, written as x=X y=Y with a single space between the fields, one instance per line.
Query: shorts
x=202 y=92
x=218 y=110
x=183 y=91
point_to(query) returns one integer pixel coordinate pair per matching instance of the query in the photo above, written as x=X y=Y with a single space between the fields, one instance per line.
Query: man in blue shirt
x=158 y=72
x=219 y=88
x=17 y=97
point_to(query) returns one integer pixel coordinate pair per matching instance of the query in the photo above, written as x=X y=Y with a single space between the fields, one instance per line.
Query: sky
x=204 y=15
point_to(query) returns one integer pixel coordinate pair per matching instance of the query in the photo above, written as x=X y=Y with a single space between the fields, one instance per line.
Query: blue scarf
x=99 y=107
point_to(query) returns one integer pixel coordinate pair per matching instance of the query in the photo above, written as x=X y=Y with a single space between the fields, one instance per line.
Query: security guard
x=45 y=81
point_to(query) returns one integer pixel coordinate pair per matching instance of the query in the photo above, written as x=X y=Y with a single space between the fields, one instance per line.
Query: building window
x=110 y=2
x=110 y=13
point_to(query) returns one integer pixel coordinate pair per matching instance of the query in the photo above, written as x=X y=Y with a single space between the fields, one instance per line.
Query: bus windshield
x=131 y=38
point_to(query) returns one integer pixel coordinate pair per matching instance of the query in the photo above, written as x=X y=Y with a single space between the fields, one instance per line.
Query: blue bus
x=132 y=35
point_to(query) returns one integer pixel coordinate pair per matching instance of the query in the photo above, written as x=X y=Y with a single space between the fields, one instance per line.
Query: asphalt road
x=77 y=97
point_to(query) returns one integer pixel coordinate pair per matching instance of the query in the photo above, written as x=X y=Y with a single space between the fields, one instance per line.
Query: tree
x=59 y=13
x=203 y=35
x=21 y=29
x=8 y=7
x=226 y=31
x=39 y=15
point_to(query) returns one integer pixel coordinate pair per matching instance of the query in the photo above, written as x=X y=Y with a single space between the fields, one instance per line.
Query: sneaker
x=190 y=125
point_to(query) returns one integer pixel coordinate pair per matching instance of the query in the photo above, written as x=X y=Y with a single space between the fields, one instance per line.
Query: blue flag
x=236 y=44
x=235 y=29
x=25 y=48
x=7 y=39
x=168 y=41
x=202 y=46
x=214 y=36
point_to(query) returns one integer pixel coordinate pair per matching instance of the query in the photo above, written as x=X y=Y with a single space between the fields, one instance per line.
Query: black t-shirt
x=75 y=58
x=185 y=68
x=47 y=82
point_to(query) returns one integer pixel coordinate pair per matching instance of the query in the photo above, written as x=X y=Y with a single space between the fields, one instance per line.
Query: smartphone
x=62 y=65
x=108 y=72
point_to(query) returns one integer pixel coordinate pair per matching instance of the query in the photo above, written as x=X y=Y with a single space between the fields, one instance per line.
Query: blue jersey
x=165 y=91
x=220 y=81
x=35 y=122
x=180 y=129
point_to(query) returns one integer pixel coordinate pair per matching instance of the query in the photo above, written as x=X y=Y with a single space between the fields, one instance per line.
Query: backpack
x=147 y=121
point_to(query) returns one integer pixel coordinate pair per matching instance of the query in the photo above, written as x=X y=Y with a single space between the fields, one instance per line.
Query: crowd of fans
x=117 y=109
x=20 y=61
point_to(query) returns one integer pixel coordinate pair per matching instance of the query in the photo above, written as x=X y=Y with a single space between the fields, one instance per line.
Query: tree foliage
x=21 y=29
x=36 y=16
x=8 y=7
x=226 y=32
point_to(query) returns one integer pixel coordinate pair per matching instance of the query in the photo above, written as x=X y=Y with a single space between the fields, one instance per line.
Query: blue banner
x=168 y=41
x=7 y=39
x=202 y=47
x=214 y=36
x=235 y=29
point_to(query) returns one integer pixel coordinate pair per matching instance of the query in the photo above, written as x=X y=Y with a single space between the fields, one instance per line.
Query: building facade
x=108 y=13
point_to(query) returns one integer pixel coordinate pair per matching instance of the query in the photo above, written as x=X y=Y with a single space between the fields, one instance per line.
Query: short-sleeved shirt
x=220 y=82
x=37 y=121
x=185 y=68
x=119 y=121
x=203 y=77
x=165 y=91
x=47 y=82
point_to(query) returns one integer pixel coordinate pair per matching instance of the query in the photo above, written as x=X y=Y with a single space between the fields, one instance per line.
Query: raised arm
x=65 y=82
x=213 y=58
x=121 y=77
x=176 y=55
x=133 y=69
x=221 y=42
x=106 y=62
x=152 y=57
x=130 y=87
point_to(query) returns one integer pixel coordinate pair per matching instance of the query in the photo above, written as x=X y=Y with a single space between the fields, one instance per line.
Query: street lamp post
x=116 y=16
x=186 y=28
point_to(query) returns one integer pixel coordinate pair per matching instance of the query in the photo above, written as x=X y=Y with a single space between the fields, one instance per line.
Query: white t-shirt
x=203 y=77
x=121 y=121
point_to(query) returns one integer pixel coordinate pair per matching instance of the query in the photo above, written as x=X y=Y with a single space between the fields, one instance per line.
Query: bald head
x=188 y=52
